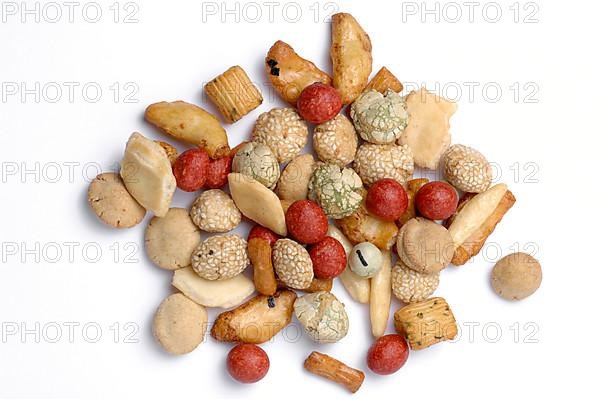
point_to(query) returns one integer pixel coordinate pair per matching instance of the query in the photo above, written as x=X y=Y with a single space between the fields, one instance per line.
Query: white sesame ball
x=214 y=211
x=220 y=257
x=375 y=162
x=467 y=169
x=410 y=286
x=283 y=131
x=292 y=264
x=335 y=141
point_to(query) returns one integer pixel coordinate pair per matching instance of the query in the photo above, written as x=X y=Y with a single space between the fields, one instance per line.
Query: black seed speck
x=271 y=302
x=271 y=63
x=275 y=71
x=211 y=252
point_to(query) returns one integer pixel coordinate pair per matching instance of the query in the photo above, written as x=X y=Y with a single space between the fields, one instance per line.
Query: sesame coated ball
x=335 y=141
x=337 y=190
x=467 y=169
x=375 y=162
x=292 y=264
x=214 y=211
x=283 y=131
x=220 y=257
x=410 y=286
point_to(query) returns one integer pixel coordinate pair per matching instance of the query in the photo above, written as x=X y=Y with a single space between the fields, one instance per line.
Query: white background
x=167 y=55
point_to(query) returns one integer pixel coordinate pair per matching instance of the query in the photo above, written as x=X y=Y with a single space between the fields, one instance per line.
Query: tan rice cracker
x=146 y=171
x=427 y=133
x=233 y=93
x=170 y=240
x=426 y=323
x=179 y=324
x=111 y=202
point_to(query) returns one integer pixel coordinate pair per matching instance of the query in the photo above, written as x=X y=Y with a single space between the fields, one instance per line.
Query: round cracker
x=179 y=324
x=170 y=240
x=112 y=203
x=427 y=246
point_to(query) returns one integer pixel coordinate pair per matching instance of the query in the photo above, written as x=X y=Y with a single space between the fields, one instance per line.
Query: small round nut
x=337 y=190
x=335 y=141
x=516 y=276
x=112 y=203
x=374 y=162
x=365 y=260
x=292 y=264
x=323 y=316
x=283 y=131
x=467 y=169
x=220 y=257
x=379 y=118
x=214 y=211
x=257 y=161
x=410 y=286
x=293 y=183
x=171 y=239
x=179 y=324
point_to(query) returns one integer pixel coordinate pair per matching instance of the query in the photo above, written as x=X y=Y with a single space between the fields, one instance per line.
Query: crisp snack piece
x=146 y=171
x=426 y=323
x=476 y=218
x=381 y=296
x=290 y=73
x=257 y=320
x=233 y=93
x=334 y=370
x=111 y=202
x=212 y=293
x=179 y=324
x=361 y=226
x=259 y=252
x=384 y=80
x=257 y=202
x=427 y=133
x=190 y=123
x=351 y=56
x=170 y=240
x=171 y=151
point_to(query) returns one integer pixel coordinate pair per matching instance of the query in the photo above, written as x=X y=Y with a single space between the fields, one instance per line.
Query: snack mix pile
x=348 y=213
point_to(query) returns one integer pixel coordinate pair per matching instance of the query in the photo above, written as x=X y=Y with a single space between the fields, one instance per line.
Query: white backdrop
x=78 y=298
